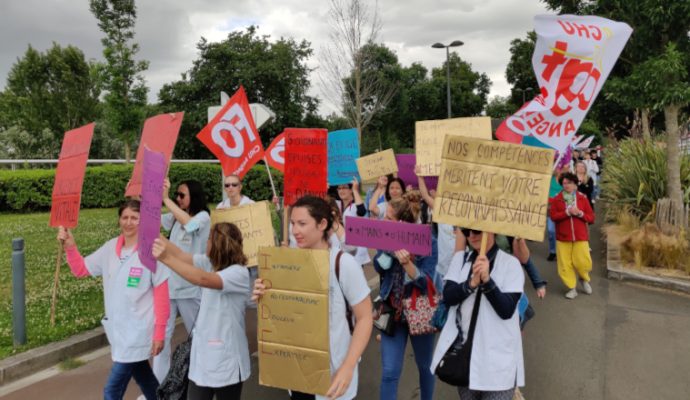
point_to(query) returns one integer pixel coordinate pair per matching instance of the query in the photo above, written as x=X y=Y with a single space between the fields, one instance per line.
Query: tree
x=125 y=99
x=500 y=107
x=344 y=61
x=47 y=94
x=272 y=72
x=520 y=72
x=469 y=89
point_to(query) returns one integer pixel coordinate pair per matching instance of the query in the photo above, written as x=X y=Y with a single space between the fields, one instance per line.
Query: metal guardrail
x=15 y=163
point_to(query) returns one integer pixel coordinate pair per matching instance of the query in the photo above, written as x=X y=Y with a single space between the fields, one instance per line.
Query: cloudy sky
x=168 y=30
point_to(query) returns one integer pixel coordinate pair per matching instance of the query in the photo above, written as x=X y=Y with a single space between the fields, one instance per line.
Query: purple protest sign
x=151 y=199
x=406 y=164
x=388 y=235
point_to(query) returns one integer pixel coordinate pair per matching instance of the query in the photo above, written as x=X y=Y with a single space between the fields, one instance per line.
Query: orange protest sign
x=159 y=135
x=69 y=177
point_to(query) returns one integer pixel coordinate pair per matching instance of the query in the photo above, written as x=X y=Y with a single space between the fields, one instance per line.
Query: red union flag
x=572 y=59
x=232 y=136
x=275 y=154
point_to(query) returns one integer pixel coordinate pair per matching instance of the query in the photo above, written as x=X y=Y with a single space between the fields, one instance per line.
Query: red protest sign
x=160 y=135
x=232 y=136
x=275 y=154
x=306 y=163
x=69 y=177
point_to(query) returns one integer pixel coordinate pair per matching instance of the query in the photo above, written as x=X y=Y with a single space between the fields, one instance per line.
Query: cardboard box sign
x=294 y=347
x=378 y=164
x=254 y=220
x=430 y=135
x=494 y=187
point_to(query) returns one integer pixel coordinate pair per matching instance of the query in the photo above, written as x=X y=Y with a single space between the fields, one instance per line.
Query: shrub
x=104 y=186
x=634 y=177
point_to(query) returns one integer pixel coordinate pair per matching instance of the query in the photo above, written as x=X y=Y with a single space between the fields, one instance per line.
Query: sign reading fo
x=429 y=136
x=494 y=186
x=232 y=136
x=69 y=177
x=254 y=221
x=294 y=347
x=275 y=154
x=378 y=164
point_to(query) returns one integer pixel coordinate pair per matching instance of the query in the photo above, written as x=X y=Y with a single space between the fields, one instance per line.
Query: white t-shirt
x=353 y=285
x=226 y=203
x=220 y=352
x=361 y=254
x=128 y=296
x=191 y=238
x=497 y=360
x=446 y=247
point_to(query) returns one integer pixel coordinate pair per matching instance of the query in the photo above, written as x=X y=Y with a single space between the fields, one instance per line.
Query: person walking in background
x=571 y=212
x=585 y=183
x=219 y=360
x=189 y=225
x=136 y=303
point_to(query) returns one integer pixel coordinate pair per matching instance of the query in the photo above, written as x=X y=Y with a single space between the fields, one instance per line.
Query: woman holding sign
x=189 y=224
x=312 y=220
x=399 y=272
x=136 y=303
x=351 y=205
x=219 y=360
x=395 y=188
x=482 y=293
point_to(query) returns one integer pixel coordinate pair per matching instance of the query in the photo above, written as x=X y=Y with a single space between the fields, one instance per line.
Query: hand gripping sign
x=275 y=155
x=232 y=136
x=572 y=59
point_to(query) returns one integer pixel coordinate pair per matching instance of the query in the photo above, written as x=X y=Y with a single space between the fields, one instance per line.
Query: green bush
x=104 y=186
x=634 y=176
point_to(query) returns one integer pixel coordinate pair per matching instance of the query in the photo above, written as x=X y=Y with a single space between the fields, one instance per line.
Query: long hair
x=197 y=197
x=403 y=209
x=226 y=246
x=132 y=204
x=318 y=209
x=335 y=210
x=388 y=186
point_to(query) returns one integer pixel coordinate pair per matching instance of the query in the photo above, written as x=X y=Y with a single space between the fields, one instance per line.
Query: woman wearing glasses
x=189 y=225
x=233 y=188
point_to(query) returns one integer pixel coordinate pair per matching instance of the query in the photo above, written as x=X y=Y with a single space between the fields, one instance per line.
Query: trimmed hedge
x=104 y=186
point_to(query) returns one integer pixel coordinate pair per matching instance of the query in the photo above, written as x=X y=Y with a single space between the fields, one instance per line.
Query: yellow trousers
x=573 y=260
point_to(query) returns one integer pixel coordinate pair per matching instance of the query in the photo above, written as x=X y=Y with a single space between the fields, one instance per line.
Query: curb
x=31 y=361
x=615 y=270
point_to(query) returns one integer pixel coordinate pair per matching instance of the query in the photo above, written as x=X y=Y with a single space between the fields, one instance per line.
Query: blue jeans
x=393 y=355
x=551 y=230
x=120 y=375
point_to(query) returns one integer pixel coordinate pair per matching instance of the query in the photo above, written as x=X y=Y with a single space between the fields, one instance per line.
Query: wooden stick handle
x=482 y=249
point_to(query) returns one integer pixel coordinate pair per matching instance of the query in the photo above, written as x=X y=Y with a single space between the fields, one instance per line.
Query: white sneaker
x=571 y=294
x=141 y=397
x=586 y=287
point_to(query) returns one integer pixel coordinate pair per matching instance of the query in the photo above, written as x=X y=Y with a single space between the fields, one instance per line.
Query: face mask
x=385 y=261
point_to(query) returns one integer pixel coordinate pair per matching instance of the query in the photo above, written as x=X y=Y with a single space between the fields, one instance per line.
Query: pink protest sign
x=388 y=235
x=406 y=164
x=154 y=169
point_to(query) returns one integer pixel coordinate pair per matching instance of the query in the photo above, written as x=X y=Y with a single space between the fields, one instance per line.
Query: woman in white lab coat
x=219 y=361
x=312 y=221
x=136 y=303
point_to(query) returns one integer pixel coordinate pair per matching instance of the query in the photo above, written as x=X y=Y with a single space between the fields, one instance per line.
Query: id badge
x=134 y=277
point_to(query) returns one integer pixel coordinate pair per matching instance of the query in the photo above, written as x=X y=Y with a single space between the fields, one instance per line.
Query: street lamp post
x=455 y=43
x=523 y=93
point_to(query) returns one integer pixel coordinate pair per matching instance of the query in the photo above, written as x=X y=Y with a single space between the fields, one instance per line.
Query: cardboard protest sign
x=275 y=154
x=254 y=221
x=388 y=235
x=159 y=134
x=154 y=171
x=494 y=186
x=69 y=177
x=343 y=150
x=294 y=347
x=306 y=163
x=572 y=58
x=232 y=136
x=406 y=165
x=378 y=164
x=429 y=136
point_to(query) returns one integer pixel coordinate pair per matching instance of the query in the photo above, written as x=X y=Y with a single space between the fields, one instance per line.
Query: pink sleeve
x=161 y=310
x=76 y=262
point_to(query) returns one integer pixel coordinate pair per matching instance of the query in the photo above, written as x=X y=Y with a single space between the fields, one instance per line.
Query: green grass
x=70 y=363
x=80 y=301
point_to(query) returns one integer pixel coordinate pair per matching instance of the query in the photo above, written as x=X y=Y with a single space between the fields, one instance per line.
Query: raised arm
x=180 y=215
x=186 y=270
x=422 y=187
x=359 y=203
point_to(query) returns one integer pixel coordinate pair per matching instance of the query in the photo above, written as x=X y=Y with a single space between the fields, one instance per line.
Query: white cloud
x=168 y=31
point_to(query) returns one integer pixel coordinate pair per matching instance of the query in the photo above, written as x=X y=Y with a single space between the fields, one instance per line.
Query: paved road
x=624 y=342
